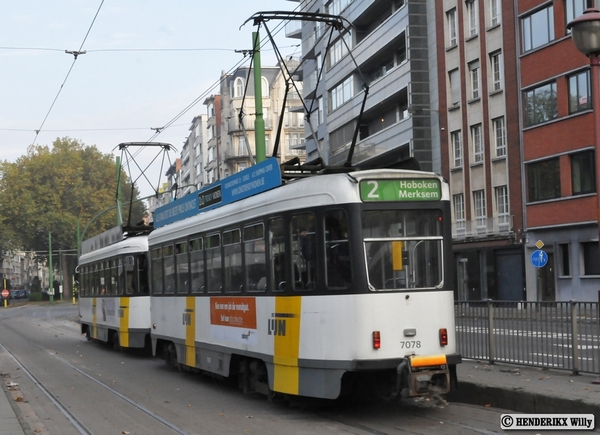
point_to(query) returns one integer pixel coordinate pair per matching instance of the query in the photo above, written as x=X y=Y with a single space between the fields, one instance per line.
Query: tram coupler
x=427 y=374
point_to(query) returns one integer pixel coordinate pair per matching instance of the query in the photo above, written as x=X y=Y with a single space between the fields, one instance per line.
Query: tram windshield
x=403 y=249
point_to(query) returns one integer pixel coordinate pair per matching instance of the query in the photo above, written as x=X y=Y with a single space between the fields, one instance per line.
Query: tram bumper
x=425 y=375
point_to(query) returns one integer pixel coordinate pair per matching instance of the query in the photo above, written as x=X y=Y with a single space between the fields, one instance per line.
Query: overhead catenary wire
x=75 y=56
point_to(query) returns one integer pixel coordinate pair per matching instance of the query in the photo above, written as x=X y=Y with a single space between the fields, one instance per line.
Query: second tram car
x=114 y=297
x=311 y=286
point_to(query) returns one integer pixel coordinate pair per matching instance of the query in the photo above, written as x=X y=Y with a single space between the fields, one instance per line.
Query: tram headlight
x=376 y=340
x=443 y=337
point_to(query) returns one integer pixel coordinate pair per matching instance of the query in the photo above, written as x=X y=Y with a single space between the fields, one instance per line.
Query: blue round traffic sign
x=539 y=258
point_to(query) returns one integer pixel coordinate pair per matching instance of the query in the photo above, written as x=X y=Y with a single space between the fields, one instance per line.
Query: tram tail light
x=443 y=337
x=376 y=340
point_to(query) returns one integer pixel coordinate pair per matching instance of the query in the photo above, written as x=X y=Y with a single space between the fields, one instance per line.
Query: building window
x=320 y=117
x=575 y=8
x=242 y=149
x=502 y=210
x=338 y=50
x=452 y=33
x=538 y=28
x=341 y=93
x=496 y=64
x=477 y=143
x=583 y=173
x=499 y=136
x=495 y=12
x=540 y=104
x=265 y=87
x=459 y=211
x=474 y=73
x=591 y=258
x=579 y=92
x=479 y=203
x=543 y=180
x=454 y=87
x=456 y=138
x=238 y=87
x=473 y=17
x=565 y=260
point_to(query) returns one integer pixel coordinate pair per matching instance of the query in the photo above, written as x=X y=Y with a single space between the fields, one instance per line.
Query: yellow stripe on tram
x=124 y=321
x=285 y=326
x=190 y=331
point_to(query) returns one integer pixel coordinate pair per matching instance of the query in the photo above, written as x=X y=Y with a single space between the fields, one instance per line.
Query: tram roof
x=315 y=191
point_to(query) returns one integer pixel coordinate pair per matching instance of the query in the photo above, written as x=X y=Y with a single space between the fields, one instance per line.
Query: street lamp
x=585 y=31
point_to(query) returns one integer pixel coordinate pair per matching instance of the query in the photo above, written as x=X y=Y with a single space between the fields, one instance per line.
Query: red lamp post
x=585 y=31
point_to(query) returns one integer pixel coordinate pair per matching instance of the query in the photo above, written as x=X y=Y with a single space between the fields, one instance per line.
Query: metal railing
x=558 y=335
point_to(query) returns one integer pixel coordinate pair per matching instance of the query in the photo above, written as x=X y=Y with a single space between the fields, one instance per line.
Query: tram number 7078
x=410 y=344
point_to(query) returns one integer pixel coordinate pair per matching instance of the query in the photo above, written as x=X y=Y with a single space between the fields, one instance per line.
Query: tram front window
x=403 y=249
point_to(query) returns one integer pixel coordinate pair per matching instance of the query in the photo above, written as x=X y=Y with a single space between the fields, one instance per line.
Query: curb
x=518 y=400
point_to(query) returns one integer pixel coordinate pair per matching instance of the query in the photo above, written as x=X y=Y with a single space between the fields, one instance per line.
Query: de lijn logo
x=277 y=324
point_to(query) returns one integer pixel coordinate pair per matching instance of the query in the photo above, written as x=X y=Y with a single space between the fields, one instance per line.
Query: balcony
x=293 y=29
x=498 y=226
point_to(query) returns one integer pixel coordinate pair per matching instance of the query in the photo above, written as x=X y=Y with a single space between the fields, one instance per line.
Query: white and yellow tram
x=306 y=288
x=114 y=297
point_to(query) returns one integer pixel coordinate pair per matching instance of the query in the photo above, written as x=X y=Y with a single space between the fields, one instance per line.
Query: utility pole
x=51 y=287
x=259 y=123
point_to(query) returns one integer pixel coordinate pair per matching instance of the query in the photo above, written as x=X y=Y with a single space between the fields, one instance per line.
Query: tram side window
x=232 y=261
x=169 y=269
x=130 y=277
x=157 y=271
x=142 y=274
x=183 y=275
x=255 y=258
x=197 y=265
x=113 y=277
x=337 y=249
x=277 y=254
x=122 y=278
x=305 y=251
x=95 y=280
x=214 y=263
x=101 y=274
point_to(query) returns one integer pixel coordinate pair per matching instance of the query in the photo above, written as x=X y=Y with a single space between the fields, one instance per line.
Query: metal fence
x=559 y=335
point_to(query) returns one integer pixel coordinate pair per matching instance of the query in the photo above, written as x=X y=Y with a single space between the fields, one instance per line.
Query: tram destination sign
x=410 y=189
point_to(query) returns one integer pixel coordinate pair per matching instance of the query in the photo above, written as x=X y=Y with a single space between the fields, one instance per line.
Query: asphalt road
x=68 y=385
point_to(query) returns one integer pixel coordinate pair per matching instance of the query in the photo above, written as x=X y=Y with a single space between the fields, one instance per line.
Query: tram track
x=77 y=423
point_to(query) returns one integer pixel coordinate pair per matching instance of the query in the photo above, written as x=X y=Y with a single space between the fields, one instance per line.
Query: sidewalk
x=526 y=389
x=9 y=423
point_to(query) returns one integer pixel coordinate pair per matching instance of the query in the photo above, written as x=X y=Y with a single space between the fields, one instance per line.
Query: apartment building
x=389 y=48
x=558 y=152
x=237 y=149
x=481 y=150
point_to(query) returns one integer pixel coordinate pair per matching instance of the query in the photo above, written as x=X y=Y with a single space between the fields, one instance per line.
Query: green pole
x=259 y=124
x=51 y=289
x=78 y=241
x=119 y=212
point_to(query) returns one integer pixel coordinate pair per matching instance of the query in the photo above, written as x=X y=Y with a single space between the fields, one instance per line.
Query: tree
x=51 y=190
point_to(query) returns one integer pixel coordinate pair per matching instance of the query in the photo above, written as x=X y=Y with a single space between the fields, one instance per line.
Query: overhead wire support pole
x=259 y=122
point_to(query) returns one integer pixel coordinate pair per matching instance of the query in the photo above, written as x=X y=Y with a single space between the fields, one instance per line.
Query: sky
x=146 y=62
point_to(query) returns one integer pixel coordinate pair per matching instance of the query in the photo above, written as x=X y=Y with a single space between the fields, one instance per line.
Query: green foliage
x=35 y=296
x=51 y=190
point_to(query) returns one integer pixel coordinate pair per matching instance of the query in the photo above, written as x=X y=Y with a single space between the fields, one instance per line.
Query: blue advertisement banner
x=251 y=181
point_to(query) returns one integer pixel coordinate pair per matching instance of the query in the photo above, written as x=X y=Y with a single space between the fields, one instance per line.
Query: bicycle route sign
x=539 y=258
